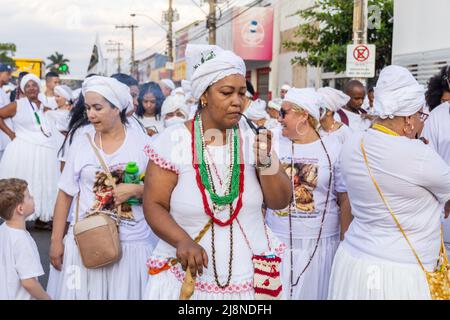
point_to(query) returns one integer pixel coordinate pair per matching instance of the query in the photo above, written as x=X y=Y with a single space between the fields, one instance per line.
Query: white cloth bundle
x=111 y=89
x=257 y=110
x=275 y=104
x=168 y=83
x=27 y=78
x=173 y=103
x=397 y=93
x=307 y=99
x=333 y=99
x=64 y=91
x=211 y=64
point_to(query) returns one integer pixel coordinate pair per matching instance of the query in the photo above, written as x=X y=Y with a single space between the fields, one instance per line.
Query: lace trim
x=162 y=163
x=202 y=286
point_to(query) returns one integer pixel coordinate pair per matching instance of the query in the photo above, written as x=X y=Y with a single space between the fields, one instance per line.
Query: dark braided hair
x=437 y=85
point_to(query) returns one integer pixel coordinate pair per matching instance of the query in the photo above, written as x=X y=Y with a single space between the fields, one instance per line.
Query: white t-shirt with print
x=83 y=173
x=19 y=260
x=311 y=178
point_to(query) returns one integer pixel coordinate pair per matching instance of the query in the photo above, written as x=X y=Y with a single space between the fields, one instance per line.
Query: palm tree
x=56 y=61
x=7 y=50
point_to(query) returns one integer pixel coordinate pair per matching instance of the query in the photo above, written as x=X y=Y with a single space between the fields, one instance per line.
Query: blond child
x=20 y=264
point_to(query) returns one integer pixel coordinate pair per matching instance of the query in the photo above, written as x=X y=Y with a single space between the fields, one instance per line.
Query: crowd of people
x=316 y=194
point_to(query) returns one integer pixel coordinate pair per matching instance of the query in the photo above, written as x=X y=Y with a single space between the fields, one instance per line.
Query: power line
x=199 y=6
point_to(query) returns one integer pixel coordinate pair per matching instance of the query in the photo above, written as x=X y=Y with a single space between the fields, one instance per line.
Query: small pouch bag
x=266 y=277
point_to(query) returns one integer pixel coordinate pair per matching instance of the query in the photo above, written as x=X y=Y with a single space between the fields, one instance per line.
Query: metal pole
x=170 y=33
x=212 y=22
x=360 y=18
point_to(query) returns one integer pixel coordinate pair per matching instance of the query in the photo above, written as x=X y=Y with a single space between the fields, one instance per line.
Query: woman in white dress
x=311 y=223
x=107 y=102
x=332 y=101
x=375 y=261
x=148 y=112
x=31 y=155
x=225 y=216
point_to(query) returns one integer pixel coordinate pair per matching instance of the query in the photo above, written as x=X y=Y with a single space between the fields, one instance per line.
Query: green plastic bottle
x=132 y=176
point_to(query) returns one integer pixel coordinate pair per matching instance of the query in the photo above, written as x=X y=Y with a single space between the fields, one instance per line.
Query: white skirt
x=362 y=279
x=38 y=166
x=124 y=280
x=313 y=284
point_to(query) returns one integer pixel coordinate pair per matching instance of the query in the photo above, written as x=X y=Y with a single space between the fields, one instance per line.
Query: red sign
x=361 y=53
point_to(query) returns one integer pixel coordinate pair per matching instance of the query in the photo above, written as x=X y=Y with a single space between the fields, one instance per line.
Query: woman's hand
x=192 y=255
x=263 y=147
x=125 y=191
x=56 y=254
x=12 y=136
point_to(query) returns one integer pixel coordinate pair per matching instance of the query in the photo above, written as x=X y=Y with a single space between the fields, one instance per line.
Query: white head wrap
x=257 y=110
x=397 y=93
x=173 y=103
x=29 y=77
x=168 y=83
x=64 y=91
x=307 y=99
x=178 y=91
x=333 y=99
x=275 y=104
x=210 y=64
x=111 y=89
x=285 y=87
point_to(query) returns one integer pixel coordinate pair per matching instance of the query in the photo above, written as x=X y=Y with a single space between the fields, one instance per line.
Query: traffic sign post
x=360 y=61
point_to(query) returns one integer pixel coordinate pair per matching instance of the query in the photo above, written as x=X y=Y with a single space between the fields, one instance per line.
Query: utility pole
x=360 y=17
x=118 y=49
x=170 y=32
x=212 y=21
x=133 y=61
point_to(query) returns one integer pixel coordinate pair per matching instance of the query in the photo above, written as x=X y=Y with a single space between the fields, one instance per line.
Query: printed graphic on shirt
x=104 y=200
x=305 y=176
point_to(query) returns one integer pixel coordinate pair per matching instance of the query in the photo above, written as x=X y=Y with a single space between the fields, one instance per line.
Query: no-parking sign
x=360 y=61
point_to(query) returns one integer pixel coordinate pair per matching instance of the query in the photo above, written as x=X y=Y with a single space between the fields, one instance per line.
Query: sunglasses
x=423 y=116
x=284 y=112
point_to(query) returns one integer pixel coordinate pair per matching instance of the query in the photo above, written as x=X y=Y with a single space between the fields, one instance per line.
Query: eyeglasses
x=284 y=112
x=423 y=116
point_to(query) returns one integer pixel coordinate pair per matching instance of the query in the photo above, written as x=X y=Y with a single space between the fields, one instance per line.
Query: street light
x=148 y=17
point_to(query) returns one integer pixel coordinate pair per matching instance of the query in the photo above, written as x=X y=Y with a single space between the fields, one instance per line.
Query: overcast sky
x=41 y=27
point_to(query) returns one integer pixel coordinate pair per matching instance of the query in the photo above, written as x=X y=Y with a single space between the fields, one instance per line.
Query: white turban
x=257 y=110
x=333 y=99
x=275 y=104
x=307 y=99
x=64 y=91
x=173 y=103
x=27 y=78
x=397 y=93
x=111 y=89
x=285 y=87
x=210 y=64
x=178 y=91
x=168 y=83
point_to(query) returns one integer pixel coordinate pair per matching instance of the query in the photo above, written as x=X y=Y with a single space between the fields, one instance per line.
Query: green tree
x=57 y=63
x=328 y=28
x=7 y=50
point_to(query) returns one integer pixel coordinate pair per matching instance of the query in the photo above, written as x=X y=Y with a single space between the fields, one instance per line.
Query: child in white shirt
x=20 y=264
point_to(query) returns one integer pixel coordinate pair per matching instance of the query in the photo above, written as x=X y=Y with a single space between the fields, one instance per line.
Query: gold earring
x=204 y=104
